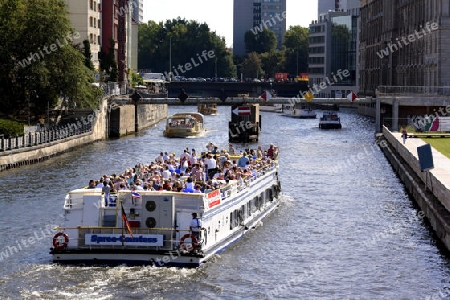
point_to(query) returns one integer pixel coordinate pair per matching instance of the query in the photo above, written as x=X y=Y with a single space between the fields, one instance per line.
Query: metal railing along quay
x=38 y=138
x=414 y=90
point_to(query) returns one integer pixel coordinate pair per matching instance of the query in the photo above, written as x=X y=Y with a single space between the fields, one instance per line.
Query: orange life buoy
x=193 y=243
x=57 y=240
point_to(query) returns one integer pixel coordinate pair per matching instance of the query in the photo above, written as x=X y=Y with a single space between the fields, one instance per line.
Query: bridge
x=224 y=90
x=125 y=99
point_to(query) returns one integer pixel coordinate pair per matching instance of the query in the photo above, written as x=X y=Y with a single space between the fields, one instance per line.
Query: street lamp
x=170 y=59
x=135 y=97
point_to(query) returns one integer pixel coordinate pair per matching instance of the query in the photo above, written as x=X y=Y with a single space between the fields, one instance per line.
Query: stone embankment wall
x=434 y=200
x=148 y=115
x=122 y=118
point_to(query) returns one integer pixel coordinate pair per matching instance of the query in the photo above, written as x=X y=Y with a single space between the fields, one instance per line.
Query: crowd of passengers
x=190 y=172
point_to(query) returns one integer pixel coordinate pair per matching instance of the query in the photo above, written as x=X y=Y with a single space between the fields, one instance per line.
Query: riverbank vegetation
x=41 y=60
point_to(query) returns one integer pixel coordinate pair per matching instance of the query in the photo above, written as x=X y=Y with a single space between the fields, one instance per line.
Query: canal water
x=346 y=229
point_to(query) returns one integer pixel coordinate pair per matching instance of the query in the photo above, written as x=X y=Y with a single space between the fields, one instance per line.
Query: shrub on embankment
x=10 y=128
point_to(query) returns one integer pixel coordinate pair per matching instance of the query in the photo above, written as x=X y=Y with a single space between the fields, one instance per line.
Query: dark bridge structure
x=223 y=90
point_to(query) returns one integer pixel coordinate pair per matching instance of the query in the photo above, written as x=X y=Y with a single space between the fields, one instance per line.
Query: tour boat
x=184 y=125
x=152 y=227
x=207 y=108
x=298 y=110
x=330 y=120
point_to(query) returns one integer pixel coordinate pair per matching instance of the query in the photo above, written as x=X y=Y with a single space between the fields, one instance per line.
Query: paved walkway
x=441 y=162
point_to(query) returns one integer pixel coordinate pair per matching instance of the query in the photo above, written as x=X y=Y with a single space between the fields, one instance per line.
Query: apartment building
x=86 y=20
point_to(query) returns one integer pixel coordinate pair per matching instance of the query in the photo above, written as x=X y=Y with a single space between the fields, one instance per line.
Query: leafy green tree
x=88 y=55
x=37 y=57
x=296 y=44
x=264 y=41
x=252 y=66
x=184 y=48
x=272 y=62
x=108 y=62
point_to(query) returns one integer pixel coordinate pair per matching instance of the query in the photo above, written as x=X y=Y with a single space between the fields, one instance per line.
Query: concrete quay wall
x=434 y=200
x=122 y=118
x=24 y=156
x=148 y=115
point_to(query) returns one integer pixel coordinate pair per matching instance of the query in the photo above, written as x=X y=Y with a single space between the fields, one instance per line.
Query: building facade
x=255 y=16
x=85 y=17
x=333 y=54
x=404 y=43
x=325 y=6
x=138 y=11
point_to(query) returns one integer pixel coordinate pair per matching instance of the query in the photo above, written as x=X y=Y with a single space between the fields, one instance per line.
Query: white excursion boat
x=184 y=125
x=298 y=110
x=330 y=120
x=152 y=227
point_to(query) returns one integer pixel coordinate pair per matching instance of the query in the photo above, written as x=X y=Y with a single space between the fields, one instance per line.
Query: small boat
x=185 y=125
x=154 y=86
x=207 y=108
x=298 y=110
x=154 y=227
x=330 y=120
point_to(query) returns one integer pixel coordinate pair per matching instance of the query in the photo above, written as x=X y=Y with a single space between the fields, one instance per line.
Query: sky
x=219 y=14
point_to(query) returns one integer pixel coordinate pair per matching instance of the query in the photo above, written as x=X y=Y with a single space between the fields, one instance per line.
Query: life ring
x=57 y=241
x=193 y=243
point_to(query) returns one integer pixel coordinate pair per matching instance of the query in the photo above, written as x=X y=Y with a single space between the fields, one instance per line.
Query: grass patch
x=440 y=144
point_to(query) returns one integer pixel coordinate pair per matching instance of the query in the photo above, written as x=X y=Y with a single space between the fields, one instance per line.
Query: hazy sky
x=219 y=14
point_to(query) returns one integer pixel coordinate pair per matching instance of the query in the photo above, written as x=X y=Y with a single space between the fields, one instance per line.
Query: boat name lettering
x=109 y=239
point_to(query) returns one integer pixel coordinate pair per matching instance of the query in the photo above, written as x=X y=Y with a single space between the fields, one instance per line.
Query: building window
x=91 y=6
x=99 y=24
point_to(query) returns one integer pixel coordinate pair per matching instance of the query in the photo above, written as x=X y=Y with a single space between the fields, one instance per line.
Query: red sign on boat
x=214 y=198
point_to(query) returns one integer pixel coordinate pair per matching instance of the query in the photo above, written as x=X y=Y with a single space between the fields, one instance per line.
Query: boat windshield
x=181 y=122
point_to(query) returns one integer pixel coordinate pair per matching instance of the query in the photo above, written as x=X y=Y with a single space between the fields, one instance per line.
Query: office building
x=138 y=11
x=325 y=6
x=404 y=44
x=255 y=16
x=333 y=53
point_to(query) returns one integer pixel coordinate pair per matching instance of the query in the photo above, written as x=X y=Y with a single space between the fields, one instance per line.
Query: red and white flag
x=351 y=96
x=266 y=96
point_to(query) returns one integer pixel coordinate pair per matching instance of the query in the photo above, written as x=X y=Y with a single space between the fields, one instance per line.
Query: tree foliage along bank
x=170 y=46
x=263 y=59
x=38 y=57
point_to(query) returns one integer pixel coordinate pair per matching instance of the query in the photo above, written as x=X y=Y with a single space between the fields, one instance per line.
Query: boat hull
x=143 y=257
x=330 y=126
x=181 y=133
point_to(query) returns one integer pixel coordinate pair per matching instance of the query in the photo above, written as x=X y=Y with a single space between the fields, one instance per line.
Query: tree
x=252 y=66
x=296 y=44
x=38 y=57
x=108 y=62
x=265 y=41
x=272 y=62
x=88 y=55
x=184 y=48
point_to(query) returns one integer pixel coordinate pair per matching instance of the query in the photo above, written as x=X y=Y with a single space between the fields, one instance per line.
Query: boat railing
x=170 y=239
x=236 y=186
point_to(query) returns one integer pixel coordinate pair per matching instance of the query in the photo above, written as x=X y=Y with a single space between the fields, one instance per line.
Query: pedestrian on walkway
x=404 y=135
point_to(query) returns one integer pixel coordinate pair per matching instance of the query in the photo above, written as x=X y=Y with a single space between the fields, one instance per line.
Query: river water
x=346 y=229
